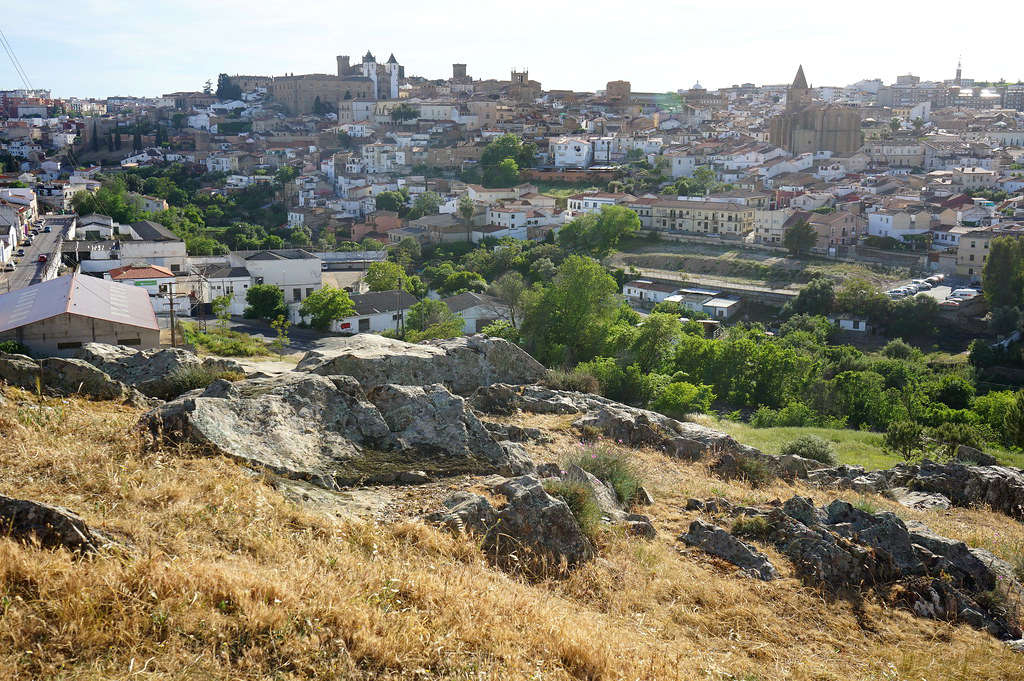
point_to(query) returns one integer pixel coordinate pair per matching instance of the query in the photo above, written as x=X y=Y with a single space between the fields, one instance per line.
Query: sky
x=100 y=48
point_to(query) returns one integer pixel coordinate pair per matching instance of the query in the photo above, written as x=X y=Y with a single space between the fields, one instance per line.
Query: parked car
x=963 y=293
x=949 y=304
x=47 y=229
x=922 y=284
x=20 y=252
x=42 y=258
x=9 y=267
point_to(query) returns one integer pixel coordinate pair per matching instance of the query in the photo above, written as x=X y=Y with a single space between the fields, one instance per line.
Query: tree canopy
x=325 y=306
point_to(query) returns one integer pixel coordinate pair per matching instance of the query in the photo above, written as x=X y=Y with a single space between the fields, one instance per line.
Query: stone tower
x=393 y=70
x=343 y=65
x=799 y=94
x=458 y=71
x=520 y=77
x=369 y=67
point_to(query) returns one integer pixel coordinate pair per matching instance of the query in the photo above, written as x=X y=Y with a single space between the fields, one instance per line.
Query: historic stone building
x=367 y=80
x=807 y=126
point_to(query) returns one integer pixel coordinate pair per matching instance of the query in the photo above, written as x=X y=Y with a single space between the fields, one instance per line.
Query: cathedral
x=322 y=92
x=807 y=126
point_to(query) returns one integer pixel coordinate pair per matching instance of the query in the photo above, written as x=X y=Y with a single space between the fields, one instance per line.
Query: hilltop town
x=366 y=374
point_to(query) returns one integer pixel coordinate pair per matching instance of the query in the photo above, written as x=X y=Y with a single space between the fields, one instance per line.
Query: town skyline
x=765 y=49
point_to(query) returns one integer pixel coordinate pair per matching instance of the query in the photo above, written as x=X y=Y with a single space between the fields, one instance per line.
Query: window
x=175 y=268
x=296 y=294
x=129 y=341
x=69 y=345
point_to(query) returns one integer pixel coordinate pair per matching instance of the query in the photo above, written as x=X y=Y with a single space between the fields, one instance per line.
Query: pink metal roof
x=77 y=294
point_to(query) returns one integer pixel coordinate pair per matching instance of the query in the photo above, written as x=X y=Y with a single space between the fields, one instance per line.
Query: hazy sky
x=108 y=47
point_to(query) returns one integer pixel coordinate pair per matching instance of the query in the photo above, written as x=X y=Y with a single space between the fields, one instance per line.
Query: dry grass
x=221 y=578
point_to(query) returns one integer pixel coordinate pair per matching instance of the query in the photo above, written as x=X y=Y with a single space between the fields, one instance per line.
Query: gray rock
x=50 y=526
x=920 y=501
x=461 y=364
x=718 y=542
x=148 y=370
x=643 y=497
x=974 y=457
x=76 y=376
x=1000 y=487
x=532 y=531
x=798 y=466
x=328 y=431
x=20 y=371
x=639 y=526
x=549 y=470
x=603 y=495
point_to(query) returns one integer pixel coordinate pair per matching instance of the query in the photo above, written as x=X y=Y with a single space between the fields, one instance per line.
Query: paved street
x=29 y=270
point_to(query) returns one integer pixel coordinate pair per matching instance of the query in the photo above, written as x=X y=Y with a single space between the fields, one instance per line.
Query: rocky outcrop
x=619 y=422
x=532 y=531
x=148 y=370
x=842 y=547
x=603 y=495
x=718 y=542
x=61 y=376
x=49 y=526
x=326 y=429
x=461 y=364
x=934 y=485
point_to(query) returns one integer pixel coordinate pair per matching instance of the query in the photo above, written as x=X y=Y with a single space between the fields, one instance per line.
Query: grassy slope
x=223 y=579
x=862 y=448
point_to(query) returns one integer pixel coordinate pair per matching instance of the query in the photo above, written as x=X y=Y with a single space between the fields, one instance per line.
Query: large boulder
x=20 y=371
x=49 y=526
x=718 y=542
x=149 y=370
x=461 y=364
x=75 y=376
x=533 y=530
x=999 y=487
x=327 y=430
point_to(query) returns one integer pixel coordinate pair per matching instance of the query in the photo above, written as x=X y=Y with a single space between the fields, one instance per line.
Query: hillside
x=213 y=570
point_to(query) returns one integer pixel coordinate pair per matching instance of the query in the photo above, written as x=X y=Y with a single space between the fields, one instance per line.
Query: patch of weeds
x=754 y=471
x=581 y=503
x=590 y=434
x=753 y=527
x=184 y=379
x=611 y=466
x=866 y=505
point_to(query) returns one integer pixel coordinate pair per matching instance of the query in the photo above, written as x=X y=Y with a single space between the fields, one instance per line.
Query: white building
x=571 y=152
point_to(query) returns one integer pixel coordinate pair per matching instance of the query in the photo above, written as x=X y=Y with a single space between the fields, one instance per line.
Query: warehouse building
x=60 y=315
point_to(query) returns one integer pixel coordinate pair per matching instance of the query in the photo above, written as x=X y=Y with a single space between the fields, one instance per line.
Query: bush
x=900 y=349
x=904 y=438
x=679 y=399
x=224 y=342
x=581 y=503
x=949 y=436
x=184 y=379
x=755 y=471
x=811 y=447
x=754 y=527
x=613 y=467
x=11 y=347
x=576 y=381
x=764 y=417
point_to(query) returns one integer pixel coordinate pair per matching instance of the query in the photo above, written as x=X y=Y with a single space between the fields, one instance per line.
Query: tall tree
x=466 y=210
x=509 y=289
x=566 y=321
x=384 y=276
x=800 y=238
x=326 y=306
x=1002 y=275
x=597 y=234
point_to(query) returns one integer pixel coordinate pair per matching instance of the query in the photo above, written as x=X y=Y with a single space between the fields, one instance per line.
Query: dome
x=697 y=86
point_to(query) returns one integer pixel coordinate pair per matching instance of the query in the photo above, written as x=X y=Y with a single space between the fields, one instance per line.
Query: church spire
x=800 y=82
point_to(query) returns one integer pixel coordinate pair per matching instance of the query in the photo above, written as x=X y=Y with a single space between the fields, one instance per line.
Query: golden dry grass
x=221 y=578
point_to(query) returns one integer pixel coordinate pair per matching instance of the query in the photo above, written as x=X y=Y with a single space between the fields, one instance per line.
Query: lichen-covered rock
x=148 y=370
x=20 y=371
x=532 y=531
x=603 y=495
x=461 y=364
x=75 y=376
x=718 y=542
x=1000 y=487
x=326 y=429
x=919 y=501
x=50 y=526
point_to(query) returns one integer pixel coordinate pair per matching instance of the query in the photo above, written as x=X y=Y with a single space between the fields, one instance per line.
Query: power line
x=14 y=61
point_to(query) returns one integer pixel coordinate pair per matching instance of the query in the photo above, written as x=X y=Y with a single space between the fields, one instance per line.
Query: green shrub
x=764 y=417
x=811 y=447
x=580 y=500
x=575 y=381
x=679 y=399
x=11 y=347
x=754 y=527
x=754 y=471
x=224 y=342
x=611 y=466
x=184 y=379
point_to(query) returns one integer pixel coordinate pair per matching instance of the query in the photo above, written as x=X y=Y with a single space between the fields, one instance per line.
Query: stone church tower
x=807 y=126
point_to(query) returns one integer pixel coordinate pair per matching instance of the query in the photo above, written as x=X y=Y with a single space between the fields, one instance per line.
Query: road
x=29 y=270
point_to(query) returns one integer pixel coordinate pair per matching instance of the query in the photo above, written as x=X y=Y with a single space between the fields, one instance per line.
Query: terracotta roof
x=144 y=272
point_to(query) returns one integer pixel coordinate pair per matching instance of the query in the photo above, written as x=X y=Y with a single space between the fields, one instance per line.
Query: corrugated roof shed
x=77 y=294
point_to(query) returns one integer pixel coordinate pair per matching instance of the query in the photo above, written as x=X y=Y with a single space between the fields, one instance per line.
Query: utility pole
x=170 y=299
